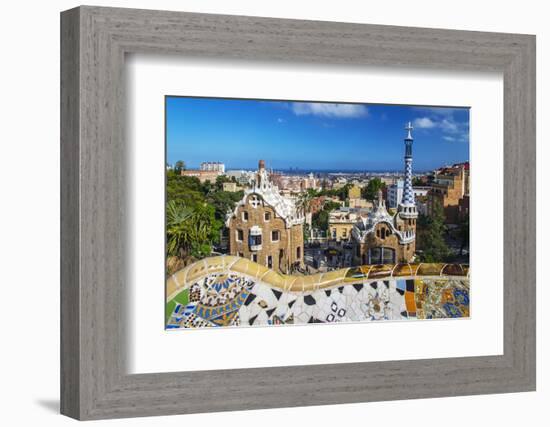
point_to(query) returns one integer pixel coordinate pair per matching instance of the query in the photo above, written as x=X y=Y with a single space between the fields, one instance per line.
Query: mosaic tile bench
x=232 y=291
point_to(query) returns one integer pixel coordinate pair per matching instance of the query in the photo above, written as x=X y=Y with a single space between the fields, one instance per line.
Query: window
x=298 y=252
x=275 y=235
x=267 y=216
x=240 y=235
x=255 y=201
x=245 y=216
x=240 y=254
x=255 y=257
x=381 y=256
x=255 y=240
x=344 y=233
x=269 y=261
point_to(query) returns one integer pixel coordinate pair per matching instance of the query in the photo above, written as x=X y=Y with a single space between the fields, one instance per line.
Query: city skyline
x=320 y=136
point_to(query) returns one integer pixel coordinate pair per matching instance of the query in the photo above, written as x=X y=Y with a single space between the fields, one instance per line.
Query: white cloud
x=449 y=125
x=339 y=111
x=424 y=123
x=279 y=120
x=443 y=120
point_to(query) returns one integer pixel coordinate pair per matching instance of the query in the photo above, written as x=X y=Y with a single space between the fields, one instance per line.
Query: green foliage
x=223 y=202
x=464 y=234
x=370 y=191
x=195 y=214
x=320 y=220
x=190 y=230
x=179 y=166
x=182 y=298
x=417 y=182
x=304 y=200
x=187 y=189
x=341 y=193
x=435 y=248
x=330 y=206
x=224 y=178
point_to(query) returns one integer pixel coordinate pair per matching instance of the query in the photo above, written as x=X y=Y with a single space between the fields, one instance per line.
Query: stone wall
x=283 y=252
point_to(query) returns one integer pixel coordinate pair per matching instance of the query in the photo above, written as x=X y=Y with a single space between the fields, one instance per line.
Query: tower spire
x=407 y=206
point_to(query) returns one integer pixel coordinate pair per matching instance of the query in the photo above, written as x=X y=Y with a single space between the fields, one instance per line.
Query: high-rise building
x=395 y=193
x=213 y=167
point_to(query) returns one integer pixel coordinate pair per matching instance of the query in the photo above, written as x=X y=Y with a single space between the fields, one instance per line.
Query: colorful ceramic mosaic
x=231 y=291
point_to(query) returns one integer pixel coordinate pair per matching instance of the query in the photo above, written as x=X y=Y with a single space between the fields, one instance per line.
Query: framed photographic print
x=314 y=235
x=346 y=210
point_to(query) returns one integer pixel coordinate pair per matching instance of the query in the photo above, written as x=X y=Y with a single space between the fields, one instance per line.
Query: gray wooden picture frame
x=94 y=381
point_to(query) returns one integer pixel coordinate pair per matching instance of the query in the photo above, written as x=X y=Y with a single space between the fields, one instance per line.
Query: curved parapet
x=185 y=277
x=233 y=291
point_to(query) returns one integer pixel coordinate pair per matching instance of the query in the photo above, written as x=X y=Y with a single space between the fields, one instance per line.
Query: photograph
x=299 y=212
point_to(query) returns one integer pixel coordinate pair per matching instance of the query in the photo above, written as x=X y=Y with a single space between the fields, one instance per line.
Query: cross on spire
x=409 y=128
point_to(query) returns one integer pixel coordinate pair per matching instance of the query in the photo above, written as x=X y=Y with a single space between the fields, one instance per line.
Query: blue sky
x=312 y=136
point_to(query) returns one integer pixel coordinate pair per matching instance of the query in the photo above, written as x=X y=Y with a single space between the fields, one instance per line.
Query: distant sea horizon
x=301 y=171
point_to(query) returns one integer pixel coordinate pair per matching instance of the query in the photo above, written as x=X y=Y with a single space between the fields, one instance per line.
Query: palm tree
x=190 y=230
x=304 y=202
x=178 y=231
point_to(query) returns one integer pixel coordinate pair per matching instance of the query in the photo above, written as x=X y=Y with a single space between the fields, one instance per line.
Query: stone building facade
x=202 y=175
x=448 y=189
x=381 y=238
x=341 y=223
x=266 y=227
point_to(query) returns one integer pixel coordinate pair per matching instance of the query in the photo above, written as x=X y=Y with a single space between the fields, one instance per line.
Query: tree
x=320 y=220
x=304 y=202
x=417 y=182
x=179 y=166
x=330 y=206
x=435 y=248
x=224 y=178
x=187 y=189
x=190 y=230
x=342 y=193
x=178 y=232
x=307 y=232
x=464 y=234
x=370 y=191
x=223 y=202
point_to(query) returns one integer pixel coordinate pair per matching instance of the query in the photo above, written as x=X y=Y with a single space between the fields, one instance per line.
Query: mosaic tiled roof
x=366 y=225
x=283 y=206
